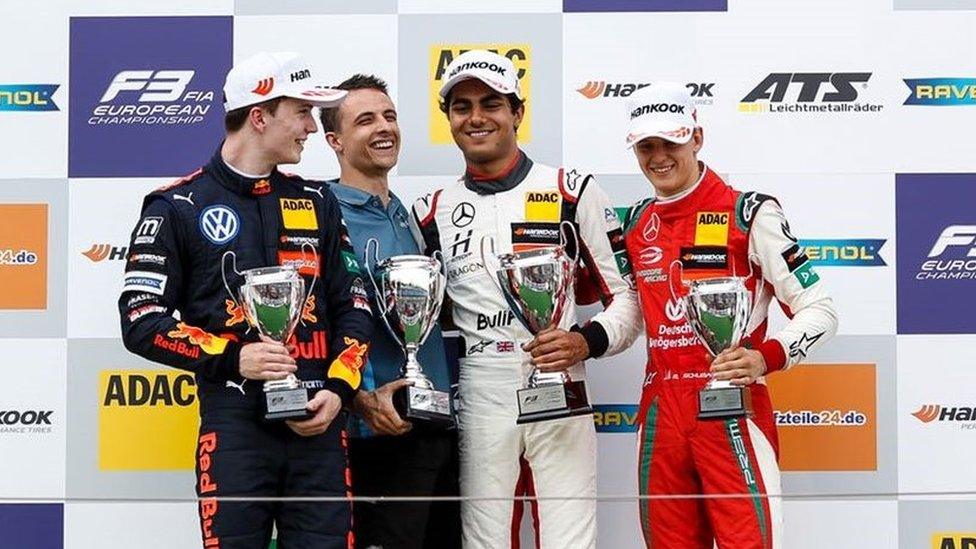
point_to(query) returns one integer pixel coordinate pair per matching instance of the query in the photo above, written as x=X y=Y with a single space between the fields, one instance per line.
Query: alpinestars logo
x=148 y=97
x=701 y=92
x=809 y=92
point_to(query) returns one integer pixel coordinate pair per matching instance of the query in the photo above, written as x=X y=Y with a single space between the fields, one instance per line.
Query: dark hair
x=513 y=102
x=234 y=120
x=330 y=116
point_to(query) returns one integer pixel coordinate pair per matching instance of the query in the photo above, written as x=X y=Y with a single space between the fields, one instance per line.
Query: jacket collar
x=506 y=181
x=237 y=182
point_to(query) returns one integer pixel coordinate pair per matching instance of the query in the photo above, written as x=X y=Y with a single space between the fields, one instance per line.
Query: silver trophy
x=718 y=310
x=536 y=285
x=409 y=291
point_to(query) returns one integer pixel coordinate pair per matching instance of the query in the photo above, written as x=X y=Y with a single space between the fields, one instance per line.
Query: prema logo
x=701 y=92
x=101 y=252
x=264 y=86
x=809 y=92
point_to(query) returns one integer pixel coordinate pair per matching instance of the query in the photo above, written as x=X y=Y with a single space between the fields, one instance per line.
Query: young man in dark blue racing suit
x=239 y=202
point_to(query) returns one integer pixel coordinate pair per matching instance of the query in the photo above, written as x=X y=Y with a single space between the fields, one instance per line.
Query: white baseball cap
x=661 y=110
x=265 y=76
x=496 y=71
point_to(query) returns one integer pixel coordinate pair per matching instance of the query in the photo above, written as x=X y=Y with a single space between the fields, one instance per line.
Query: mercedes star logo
x=463 y=214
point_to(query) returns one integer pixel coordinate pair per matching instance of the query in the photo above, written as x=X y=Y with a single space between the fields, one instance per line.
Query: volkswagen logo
x=219 y=224
x=463 y=214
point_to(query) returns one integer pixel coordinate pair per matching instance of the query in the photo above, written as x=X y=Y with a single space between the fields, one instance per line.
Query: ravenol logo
x=615 y=418
x=701 y=92
x=28 y=97
x=854 y=252
x=441 y=56
x=941 y=92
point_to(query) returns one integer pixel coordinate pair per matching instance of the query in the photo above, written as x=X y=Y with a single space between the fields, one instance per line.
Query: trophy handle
x=223 y=278
x=439 y=257
x=484 y=261
x=671 y=279
x=760 y=288
x=315 y=277
x=374 y=244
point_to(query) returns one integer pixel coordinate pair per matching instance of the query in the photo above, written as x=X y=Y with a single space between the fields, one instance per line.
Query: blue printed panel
x=146 y=94
x=936 y=253
x=32 y=526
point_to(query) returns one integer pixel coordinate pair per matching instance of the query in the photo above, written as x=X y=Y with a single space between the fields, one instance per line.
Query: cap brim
x=491 y=83
x=319 y=96
x=674 y=133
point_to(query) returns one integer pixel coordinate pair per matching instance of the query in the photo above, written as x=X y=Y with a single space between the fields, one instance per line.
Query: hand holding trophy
x=409 y=291
x=536 y=284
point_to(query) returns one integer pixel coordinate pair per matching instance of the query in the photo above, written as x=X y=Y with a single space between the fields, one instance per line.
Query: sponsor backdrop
x=863 y=136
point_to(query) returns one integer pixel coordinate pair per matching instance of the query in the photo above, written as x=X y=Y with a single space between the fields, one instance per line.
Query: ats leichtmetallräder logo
x=936 y=253
x=146 y=94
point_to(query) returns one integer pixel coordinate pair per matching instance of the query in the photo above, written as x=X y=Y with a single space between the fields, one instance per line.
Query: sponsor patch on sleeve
x=794 y=257
x=350 y=262
x=299 y=213
x=806 y=275
x=144 y=281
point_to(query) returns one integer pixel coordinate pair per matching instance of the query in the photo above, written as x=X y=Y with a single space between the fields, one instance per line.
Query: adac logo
x=615 y=418
x=941 y=92
x=952 y=256
x=147 y=420
x=211 y=344
x=964 y=416
x=348 y=365
x=809 y=92
x=441 y=56
x=100 y=252
x=152 y=97
x=701 y=92
x=299 y=213
x=28 y=97
x=954 y=540
x=853 y=252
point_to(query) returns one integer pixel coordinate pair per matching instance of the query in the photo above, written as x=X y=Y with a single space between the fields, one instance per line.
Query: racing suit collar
x=237 y=182
x=505 y=181
x=689 y=199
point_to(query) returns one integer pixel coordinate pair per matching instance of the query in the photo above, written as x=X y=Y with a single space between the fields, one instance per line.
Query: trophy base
x=425 y=405
x=552 y=401
x=723 y=402
x=282 y=404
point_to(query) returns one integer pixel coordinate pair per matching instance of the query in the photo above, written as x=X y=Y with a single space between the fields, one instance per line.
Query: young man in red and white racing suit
x=520 y=204
x=698 y=227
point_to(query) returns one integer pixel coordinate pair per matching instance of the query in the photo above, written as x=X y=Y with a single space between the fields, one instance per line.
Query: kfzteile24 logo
x=441 y=56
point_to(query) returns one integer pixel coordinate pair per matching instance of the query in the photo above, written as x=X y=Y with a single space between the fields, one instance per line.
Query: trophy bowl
x=409 y=293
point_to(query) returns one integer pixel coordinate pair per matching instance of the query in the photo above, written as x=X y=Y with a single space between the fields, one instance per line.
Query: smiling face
x=483 y=124
x=368 y=135
x=670 y=167
x=287 y=129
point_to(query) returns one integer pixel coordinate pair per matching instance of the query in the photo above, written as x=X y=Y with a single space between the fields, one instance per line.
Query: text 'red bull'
x=208 y=505
x=211 y=344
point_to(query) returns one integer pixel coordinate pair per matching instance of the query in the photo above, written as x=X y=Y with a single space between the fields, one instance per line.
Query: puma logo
x=316 y=190
x=238 y=386
x=188 y=198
